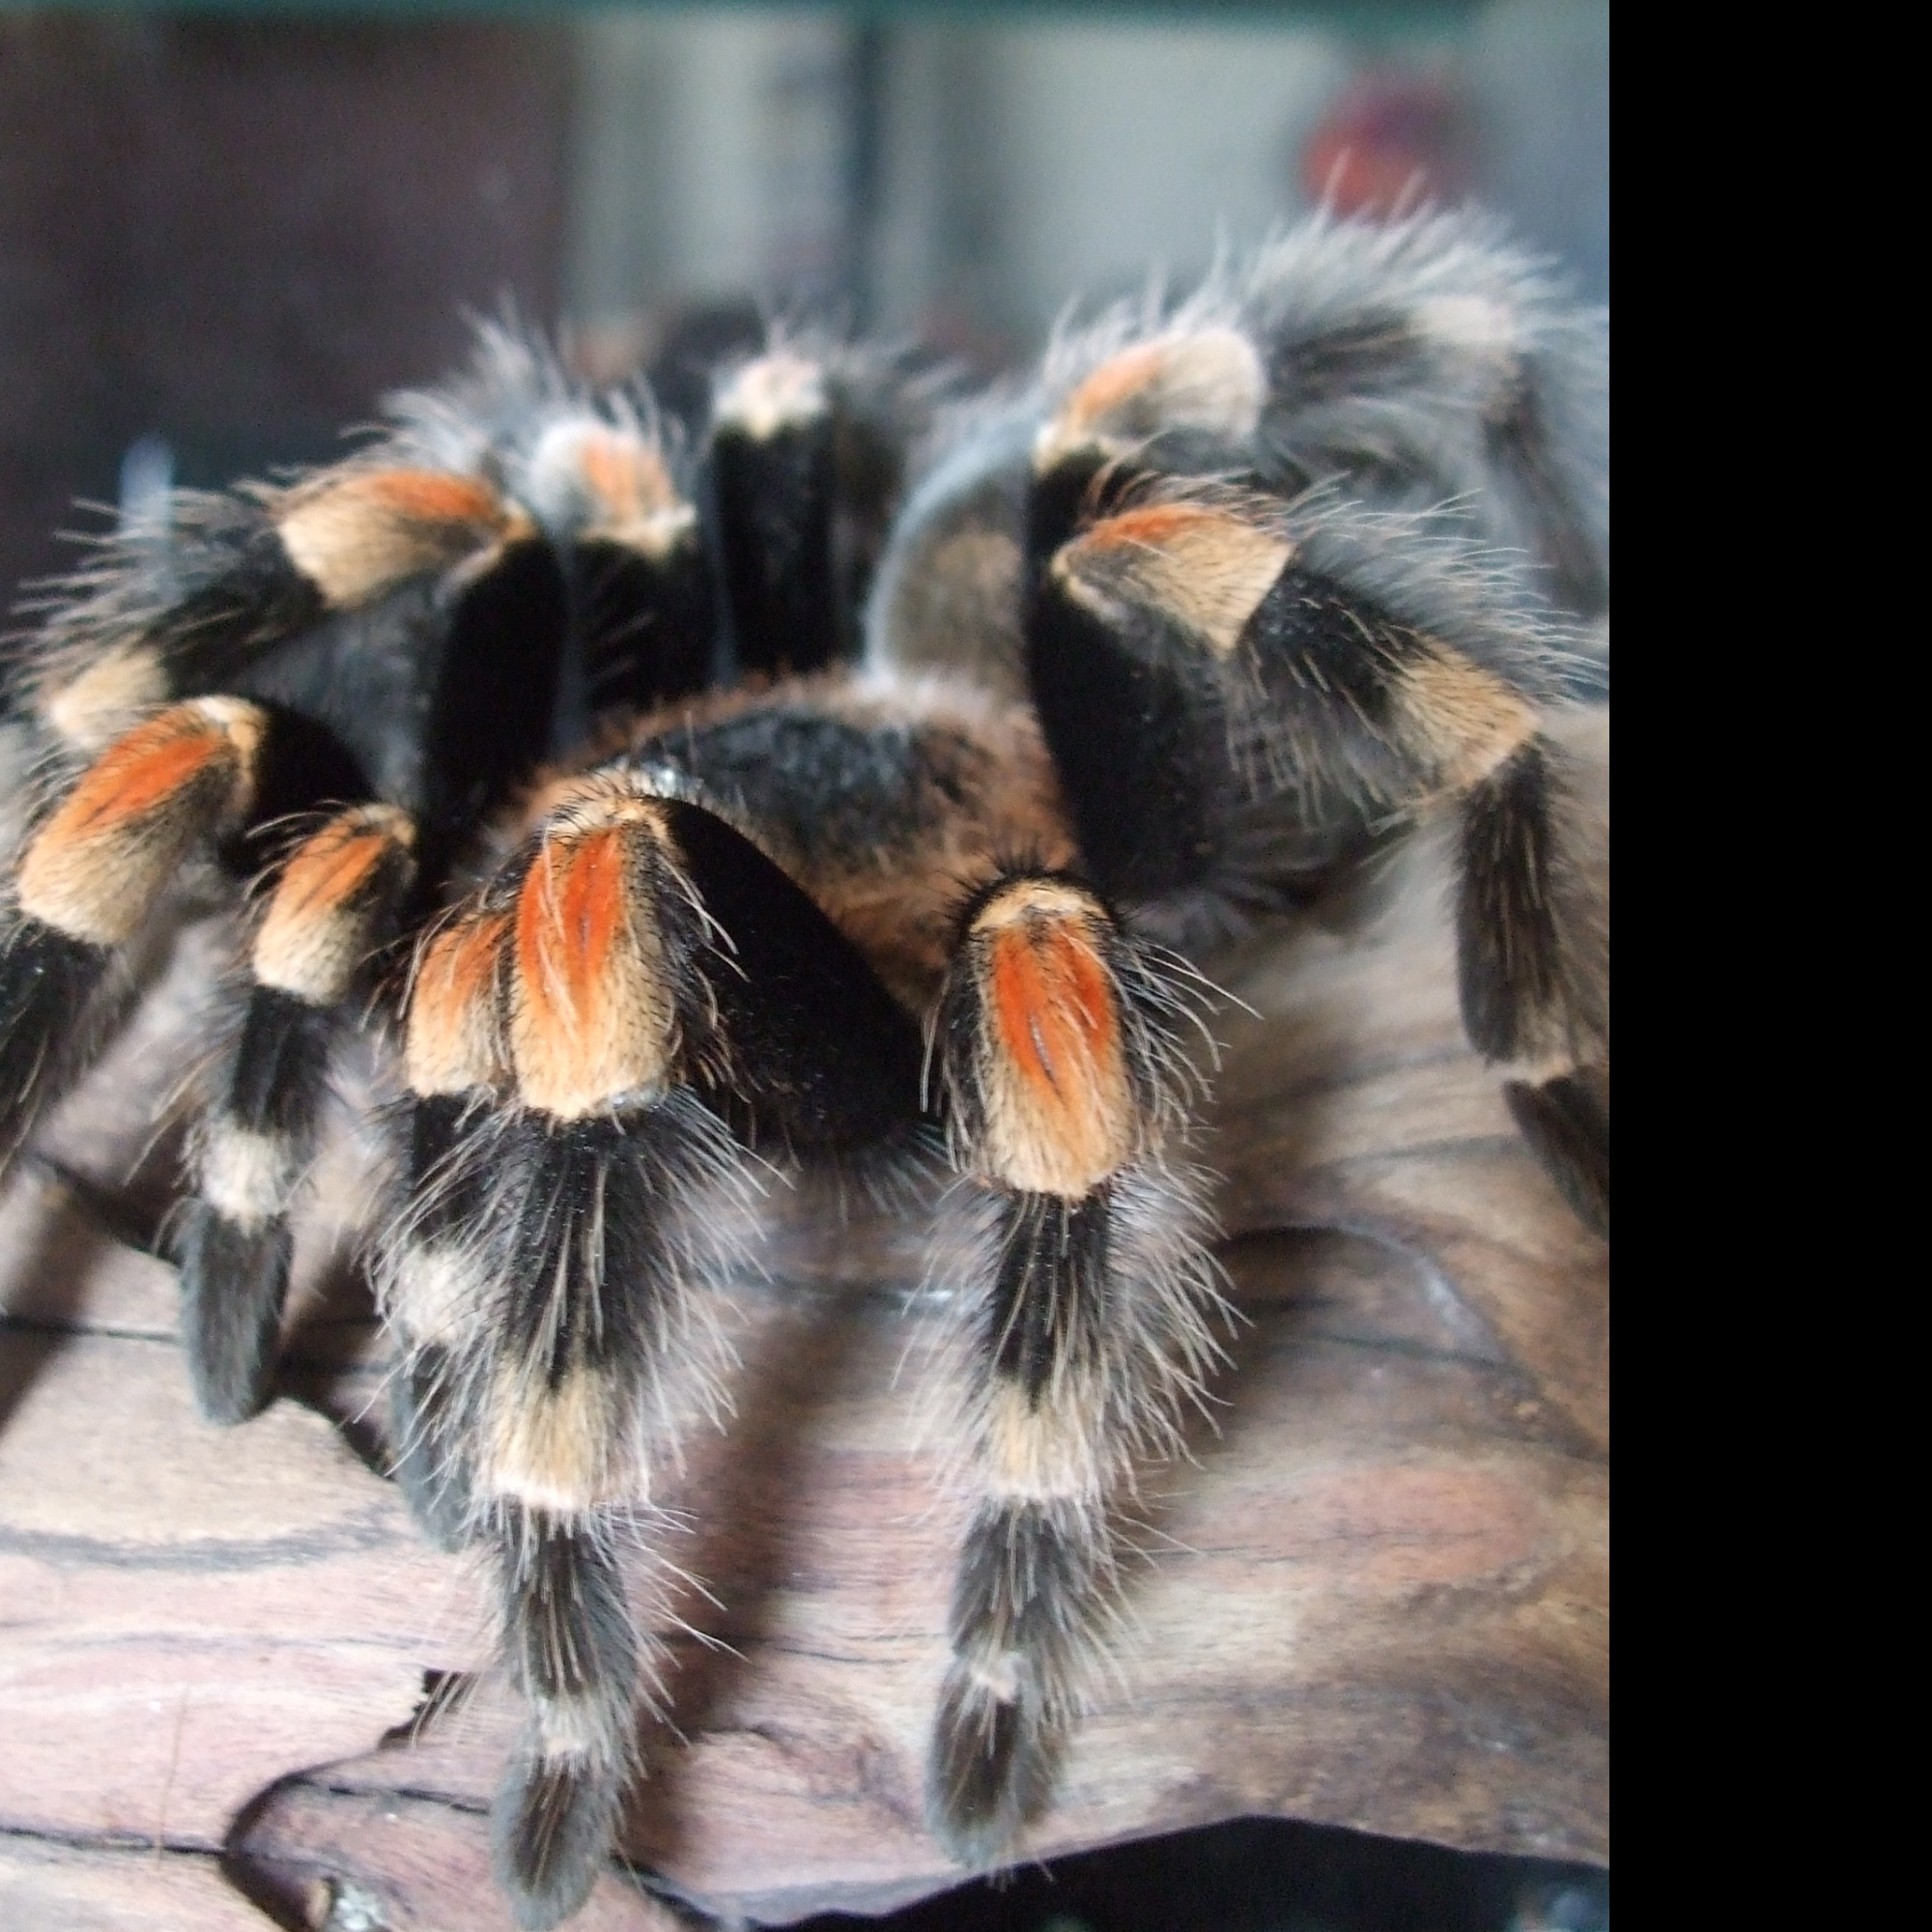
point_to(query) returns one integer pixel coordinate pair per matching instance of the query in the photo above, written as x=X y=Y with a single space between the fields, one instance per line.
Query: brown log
x=191 y=1613
x=323 y=1855
x=1378 y=1595
x=56 y=1888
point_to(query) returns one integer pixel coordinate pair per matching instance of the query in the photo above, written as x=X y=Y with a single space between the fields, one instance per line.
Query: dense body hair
x=1426 y=367
x=848 y=779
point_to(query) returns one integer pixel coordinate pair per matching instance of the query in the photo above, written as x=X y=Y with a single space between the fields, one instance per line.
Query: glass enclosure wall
x=221 y=237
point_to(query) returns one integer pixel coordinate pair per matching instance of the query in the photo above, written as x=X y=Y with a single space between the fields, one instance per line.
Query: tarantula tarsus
x=1145 y=648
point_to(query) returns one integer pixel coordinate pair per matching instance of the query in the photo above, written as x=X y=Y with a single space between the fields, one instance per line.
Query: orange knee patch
x=1207 y=378
x=612 y=485
x=430 y=497
x=150 y=766
x=95 y=869
x=1114 y=387
x=590 y=1016
x=1153 y=526
x=626 y=475
x=454 y=1039
x=1202 y=567
x=1059 y=1115
x=637 y=503
x=320 y=919
x=356 y=537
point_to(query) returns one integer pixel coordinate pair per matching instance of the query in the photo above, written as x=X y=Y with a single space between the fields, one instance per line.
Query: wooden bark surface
x=1377 y=1596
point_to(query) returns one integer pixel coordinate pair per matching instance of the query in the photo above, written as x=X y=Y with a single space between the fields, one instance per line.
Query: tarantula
x=849 y=778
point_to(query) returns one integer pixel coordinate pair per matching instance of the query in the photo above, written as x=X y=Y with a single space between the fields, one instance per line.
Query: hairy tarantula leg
x=1188 y=654
x=574 y=1197
x=575 y=1655
x=642 y=596
x=93 y=872
x=1184 y=395
x=175 y=614
x=332 y=906
x=1088 y=1323
x=1530 y=950
x=1425 y=357
x=773 y=470
x=574 y=1217
x=455 y=1064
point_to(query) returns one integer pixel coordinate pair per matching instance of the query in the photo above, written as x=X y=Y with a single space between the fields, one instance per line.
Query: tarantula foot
x=575 y=1659
x=234 y=1278
x=990 y=1770
x=1567 y=1124
x=551 y=1830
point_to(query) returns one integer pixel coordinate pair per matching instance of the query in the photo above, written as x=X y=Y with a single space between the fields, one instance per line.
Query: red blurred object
x=1391 y=142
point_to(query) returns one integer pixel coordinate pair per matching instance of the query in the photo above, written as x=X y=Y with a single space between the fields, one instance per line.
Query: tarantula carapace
x=850 y=779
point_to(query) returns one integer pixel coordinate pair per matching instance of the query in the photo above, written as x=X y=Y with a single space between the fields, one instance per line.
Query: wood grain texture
x=58 y=1888
x=190 y=1613
x=1377 y=1596
x=326 y=1852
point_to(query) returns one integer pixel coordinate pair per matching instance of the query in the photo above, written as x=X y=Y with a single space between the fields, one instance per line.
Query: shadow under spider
x=832 y=1275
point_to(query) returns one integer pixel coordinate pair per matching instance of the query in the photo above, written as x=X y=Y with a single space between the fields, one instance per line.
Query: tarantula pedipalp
x=1152 y=646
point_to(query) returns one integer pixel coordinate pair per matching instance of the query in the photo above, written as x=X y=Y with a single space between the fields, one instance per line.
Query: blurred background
x=223 y=233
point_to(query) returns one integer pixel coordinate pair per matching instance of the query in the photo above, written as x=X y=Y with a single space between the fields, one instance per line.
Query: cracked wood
x=1379 y=1595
